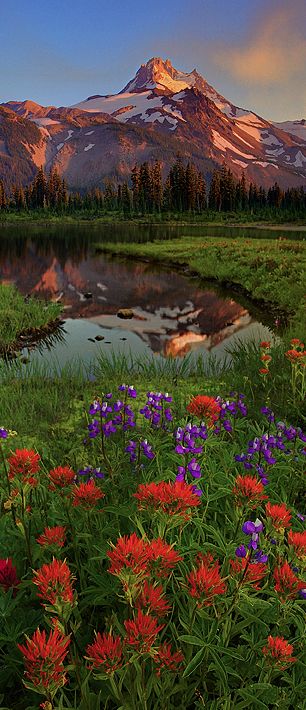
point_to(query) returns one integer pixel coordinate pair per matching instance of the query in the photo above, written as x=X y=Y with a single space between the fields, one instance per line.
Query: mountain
x=159 y=113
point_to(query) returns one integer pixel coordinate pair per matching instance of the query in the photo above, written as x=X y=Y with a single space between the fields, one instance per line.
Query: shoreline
x=273 y=226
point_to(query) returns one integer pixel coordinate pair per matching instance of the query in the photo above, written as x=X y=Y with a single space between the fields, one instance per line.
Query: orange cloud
x=275 y=50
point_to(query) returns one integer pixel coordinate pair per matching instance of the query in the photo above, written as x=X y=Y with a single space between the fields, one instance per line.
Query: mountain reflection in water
x=172 y=314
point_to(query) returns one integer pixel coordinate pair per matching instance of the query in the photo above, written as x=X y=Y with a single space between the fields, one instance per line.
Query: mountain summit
x=160 y=74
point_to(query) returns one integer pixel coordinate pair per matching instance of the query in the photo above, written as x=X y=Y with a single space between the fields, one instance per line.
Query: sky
x=58 y=52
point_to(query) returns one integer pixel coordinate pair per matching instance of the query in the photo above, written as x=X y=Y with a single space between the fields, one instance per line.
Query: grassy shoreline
x=269 y=271
x=24 y=321
x=41 y=218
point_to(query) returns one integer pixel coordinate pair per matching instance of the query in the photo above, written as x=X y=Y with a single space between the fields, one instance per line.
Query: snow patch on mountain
x=295 y=128
x=89 y=146
x=223 y=144
x=300 y=159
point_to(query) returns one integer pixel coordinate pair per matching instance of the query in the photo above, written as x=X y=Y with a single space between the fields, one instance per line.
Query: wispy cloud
x=274 y=50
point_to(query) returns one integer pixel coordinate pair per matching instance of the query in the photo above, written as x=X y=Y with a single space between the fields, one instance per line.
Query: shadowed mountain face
x=171 y=314
x=161 y=112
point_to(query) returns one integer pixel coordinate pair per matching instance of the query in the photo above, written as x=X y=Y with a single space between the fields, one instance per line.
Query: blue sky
x=60 y=51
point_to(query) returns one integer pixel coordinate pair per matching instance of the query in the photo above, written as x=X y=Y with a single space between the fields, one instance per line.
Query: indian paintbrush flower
x=167 y=660
x=23 y=465
x=278 y=652
x=205 y=582
x=278 y=515
x=287 y=585
x=141 y=632
x=54 y=582
x=105 y=653
x=60 y=477
x=44 y=658
x=8 y=575
x=86 y=494
x=53 y=536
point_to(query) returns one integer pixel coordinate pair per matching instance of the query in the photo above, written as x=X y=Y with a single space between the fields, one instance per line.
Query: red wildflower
x=142 y=632
x=265 y=344
x=249 y=573
x=129 y=552
x=264 y=371
x=279 y=515
x=298 y=542
x=295 y=341
x=173 y=498
x=248 y=491
x=279 y=651
x=266 y=358
x=206 y=407
x=206 y=582
x=162 y=557
x=24 y=463
x=60 y=477
x=87 y=494
x=287 y=584
x=295 y=356
x=152 y=600
x=54 y=582
x=106 y=653
x=166 y=660
x=44 y=658
x=53 y=536
x=8 y=574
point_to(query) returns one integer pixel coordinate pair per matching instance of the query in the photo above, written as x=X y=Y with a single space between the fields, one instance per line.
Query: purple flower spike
x=240 y=551
x=303 y=593
x=3 y=433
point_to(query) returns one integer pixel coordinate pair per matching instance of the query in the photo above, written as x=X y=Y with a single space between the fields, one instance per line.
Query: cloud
x=275 y=50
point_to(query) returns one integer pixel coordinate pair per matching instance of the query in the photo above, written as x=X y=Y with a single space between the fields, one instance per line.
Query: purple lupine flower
x=91 y=472
x=260 y=556
x=253 y=529
x=131 y=449
x=197 y=491
x=147 y=449
x=300 y=516
x=94 y=408
x=194 y=468
x=240 y=551
x=94 y=429
x=302 y=593
x=118 y=405
x=3 y=433
x=132 y=392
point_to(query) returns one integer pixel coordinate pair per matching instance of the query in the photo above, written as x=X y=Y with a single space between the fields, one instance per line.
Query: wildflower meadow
x=166 y=567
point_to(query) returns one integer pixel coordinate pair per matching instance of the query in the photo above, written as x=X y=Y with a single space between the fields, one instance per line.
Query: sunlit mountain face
x=161 y=112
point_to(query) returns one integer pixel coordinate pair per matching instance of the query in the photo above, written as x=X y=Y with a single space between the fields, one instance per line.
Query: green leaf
x=194 y=663
x=193 y=640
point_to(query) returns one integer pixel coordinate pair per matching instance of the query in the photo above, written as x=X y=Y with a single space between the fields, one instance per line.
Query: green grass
x=18 y=316
x=49 y=409
x=268 y=270
x=266 y=217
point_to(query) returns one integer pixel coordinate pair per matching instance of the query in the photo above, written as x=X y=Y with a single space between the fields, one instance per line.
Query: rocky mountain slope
x=161 y=112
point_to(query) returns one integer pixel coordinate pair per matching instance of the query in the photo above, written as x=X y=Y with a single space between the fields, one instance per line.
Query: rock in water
x=125 y=313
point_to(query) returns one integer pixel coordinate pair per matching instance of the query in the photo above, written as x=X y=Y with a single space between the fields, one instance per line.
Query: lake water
x=173 y=314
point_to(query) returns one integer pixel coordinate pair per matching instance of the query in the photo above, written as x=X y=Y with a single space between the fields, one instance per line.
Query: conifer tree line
x=146 y=192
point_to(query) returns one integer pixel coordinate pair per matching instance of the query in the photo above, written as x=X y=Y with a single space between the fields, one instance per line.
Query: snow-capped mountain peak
x=160 y=74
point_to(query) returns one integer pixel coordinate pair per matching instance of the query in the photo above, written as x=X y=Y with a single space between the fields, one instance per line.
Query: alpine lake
x=173 y=313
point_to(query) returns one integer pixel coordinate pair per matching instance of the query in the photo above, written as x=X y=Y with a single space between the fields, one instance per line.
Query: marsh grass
x=19 y=315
